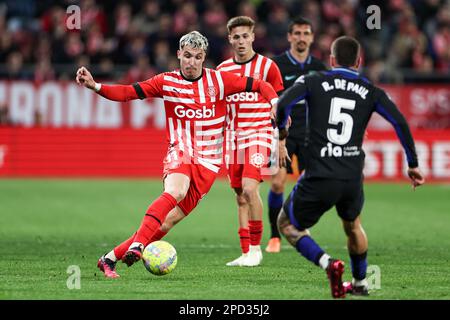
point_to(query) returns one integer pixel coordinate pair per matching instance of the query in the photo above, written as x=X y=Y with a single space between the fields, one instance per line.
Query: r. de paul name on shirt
x=342 y=84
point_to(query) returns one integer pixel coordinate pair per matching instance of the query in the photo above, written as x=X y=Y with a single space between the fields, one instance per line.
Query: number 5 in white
x=336 y=117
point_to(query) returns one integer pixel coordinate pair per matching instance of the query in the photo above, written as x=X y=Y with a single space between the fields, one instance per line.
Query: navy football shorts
x=312 y=197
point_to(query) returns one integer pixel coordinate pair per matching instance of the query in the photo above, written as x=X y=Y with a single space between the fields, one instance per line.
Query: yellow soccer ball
x=160 y=258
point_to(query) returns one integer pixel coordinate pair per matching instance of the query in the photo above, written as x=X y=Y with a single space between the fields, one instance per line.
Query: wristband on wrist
x=273 y=101
x=97 y=87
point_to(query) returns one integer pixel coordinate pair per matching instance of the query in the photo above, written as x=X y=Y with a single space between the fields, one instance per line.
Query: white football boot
x=237 y=262
x=254 y=257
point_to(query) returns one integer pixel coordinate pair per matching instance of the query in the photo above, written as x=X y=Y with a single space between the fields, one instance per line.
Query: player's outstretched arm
x=111 y=92
x=388 y=110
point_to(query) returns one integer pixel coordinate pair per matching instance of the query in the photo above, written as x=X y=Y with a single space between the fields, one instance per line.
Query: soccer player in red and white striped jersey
x=195 y=106
x=249 y=136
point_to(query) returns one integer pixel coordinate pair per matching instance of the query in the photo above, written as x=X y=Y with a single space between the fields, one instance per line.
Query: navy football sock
x=275 y=204
x=309 y=249
x=359 y=265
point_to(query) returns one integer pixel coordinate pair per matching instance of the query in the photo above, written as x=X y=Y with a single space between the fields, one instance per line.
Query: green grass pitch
x=48 y=225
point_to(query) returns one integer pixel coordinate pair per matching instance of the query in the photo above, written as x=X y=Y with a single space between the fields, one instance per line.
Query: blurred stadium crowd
x=128 y=41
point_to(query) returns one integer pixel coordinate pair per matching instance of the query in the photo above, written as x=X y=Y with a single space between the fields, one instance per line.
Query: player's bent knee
x=249 y=193
x=277 y=186
x=289 y=231
x=241 y=201
x=352 y=227
x=177 y=193
x=278 y=181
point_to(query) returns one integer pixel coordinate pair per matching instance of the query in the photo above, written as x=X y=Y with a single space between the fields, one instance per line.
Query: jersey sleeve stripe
x=139 y=91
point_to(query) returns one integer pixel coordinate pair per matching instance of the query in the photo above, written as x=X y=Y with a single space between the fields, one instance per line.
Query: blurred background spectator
x=130 y=41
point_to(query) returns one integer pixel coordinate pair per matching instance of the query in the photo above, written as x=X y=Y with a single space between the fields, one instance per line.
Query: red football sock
x=256 y=228
x=158 y=235
x=120 y=250
x=154 y=217
x=244 y=238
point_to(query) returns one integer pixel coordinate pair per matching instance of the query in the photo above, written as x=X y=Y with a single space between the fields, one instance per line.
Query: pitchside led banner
x=69 y=106
x=60 y=130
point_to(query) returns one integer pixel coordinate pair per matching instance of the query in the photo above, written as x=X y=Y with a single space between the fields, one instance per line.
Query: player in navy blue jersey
x=293 y=63
x=339 y=105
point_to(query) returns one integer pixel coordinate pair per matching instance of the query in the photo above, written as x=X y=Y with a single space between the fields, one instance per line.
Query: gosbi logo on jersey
x=256 y=76
x=243 y=96
x=202 y=113
x=257 y=160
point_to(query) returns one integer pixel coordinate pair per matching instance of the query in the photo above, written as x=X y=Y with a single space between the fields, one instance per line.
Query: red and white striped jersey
x=248 y=112
x=195 y=112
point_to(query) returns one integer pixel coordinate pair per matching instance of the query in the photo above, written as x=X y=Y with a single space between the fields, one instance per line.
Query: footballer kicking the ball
x=195 y=106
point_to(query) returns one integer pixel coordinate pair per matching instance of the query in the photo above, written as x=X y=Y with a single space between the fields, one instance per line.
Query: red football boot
x=132 y=255
x=108 y=267
x=335 y=271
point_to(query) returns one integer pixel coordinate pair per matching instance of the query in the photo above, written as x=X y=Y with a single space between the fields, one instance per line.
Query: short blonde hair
x=195 y=40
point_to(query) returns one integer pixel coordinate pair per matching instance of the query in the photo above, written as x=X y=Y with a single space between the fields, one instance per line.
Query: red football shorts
x=201 y=182
x=246 y=163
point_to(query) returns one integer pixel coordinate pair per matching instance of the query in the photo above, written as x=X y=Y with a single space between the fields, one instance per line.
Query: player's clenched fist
x=84 y=78
x=416 y=176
